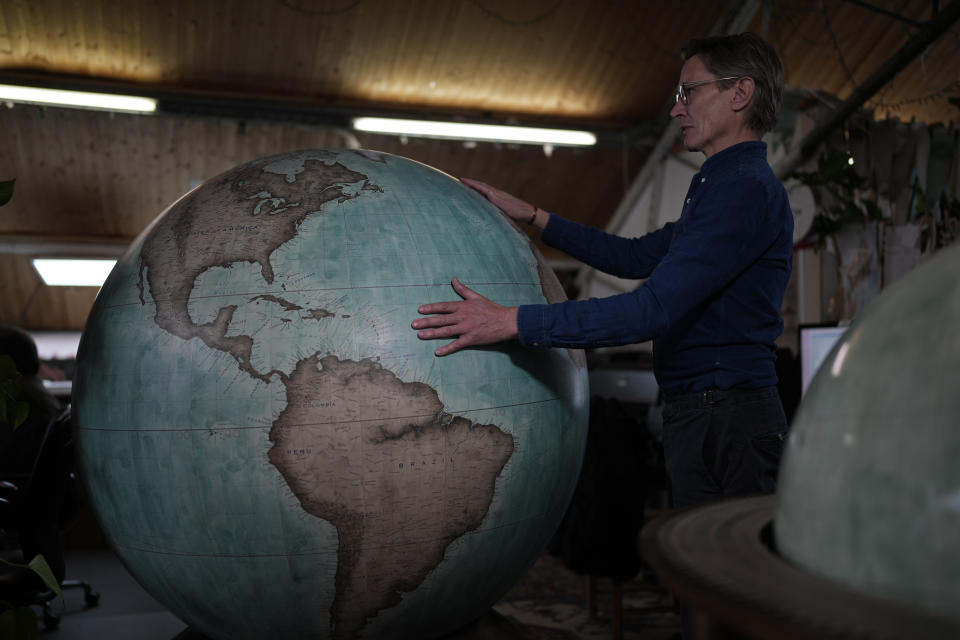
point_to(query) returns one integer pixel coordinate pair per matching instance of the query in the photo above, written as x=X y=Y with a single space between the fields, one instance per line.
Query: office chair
x=35 y=506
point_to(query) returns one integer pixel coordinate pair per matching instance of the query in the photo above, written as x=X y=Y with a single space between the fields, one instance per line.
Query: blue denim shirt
x=715 y=281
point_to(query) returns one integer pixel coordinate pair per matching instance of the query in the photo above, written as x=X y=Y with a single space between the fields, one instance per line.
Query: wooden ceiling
x=245 y=78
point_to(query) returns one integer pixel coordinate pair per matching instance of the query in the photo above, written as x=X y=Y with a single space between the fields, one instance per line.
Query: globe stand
x=720 y=561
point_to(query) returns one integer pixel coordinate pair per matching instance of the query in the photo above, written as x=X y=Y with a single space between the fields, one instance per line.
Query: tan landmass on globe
x=318 y=314
x=286 y=304
x=398 y=490
x=244 y=216
x=312 y=314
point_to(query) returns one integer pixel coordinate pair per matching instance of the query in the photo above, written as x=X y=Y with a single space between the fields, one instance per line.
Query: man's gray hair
x=745 y=55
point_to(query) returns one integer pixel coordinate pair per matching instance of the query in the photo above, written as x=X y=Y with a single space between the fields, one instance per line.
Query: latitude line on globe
x=319 y=424
x=474 y=532
x=325 y=289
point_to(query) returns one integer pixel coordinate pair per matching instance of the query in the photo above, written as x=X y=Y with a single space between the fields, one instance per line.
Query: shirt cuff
x=530 y=326
x=550 y=229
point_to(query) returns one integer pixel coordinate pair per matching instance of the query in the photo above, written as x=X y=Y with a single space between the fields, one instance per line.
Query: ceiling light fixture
x=82 y=99
x=466 y=131
x=67 y=272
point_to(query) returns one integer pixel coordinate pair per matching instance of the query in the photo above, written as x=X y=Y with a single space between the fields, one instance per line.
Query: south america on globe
x=271 y=450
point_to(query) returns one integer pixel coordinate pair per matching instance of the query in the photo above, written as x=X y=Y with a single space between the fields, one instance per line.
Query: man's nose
x=677 y=110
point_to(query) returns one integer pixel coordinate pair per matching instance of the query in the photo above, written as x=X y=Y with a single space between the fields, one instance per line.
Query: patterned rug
x=549 y=603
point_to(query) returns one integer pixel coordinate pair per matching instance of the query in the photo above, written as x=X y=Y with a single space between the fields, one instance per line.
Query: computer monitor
x=816 y=341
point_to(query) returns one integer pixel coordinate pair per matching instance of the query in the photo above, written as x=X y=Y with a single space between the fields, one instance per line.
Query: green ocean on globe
x=272 y=451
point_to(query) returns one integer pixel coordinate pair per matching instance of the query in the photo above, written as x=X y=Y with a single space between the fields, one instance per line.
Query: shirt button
x=703 y=179
x=688 y=200
x=536 y=344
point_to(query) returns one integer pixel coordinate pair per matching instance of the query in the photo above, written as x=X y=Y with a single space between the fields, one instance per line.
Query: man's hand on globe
x=475 y=320
x=512 y=206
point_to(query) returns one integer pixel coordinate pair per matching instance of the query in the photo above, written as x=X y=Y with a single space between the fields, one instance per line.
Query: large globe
x=869 y=488
x=272 y=451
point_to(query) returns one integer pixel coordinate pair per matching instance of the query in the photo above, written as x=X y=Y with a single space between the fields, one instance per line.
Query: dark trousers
x=722 y=443
x=719 y=444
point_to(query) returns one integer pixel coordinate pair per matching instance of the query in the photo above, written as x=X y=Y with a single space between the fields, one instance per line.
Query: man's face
x=708 y=122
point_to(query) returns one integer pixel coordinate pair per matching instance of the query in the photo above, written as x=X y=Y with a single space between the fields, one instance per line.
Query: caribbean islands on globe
x=271 y=450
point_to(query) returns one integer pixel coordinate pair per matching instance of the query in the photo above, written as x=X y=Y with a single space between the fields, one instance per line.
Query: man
x=715 y=282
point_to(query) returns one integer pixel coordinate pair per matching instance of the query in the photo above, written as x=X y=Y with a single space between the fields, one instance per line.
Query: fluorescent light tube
x=465 y=131
x=84 y=99
x=63 y=272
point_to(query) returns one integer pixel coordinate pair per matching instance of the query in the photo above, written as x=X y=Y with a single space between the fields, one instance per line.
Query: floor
x=547 y=604
x=125 y=610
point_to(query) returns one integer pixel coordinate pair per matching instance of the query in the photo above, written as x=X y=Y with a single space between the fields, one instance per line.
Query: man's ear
x=742 y=93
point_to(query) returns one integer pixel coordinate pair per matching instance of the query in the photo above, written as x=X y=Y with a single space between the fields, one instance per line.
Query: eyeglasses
x=682 y=96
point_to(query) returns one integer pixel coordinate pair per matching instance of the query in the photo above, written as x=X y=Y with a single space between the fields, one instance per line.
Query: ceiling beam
x=63 y=246
x=884 y=12
x=917 y=44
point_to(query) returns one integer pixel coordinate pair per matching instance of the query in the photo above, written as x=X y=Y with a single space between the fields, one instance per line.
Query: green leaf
x=6 y=191
x=20 y=411
x=19 y=623
x=42 y=569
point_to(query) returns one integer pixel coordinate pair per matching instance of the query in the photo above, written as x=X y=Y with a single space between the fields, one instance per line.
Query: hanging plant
x=837 y=189
x=836 y=183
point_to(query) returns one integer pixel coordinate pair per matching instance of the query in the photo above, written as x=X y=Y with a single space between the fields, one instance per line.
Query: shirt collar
x=731 y=155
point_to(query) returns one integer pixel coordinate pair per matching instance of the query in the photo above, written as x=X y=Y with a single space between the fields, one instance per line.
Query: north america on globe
x=398 y=488
x=245 y=219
